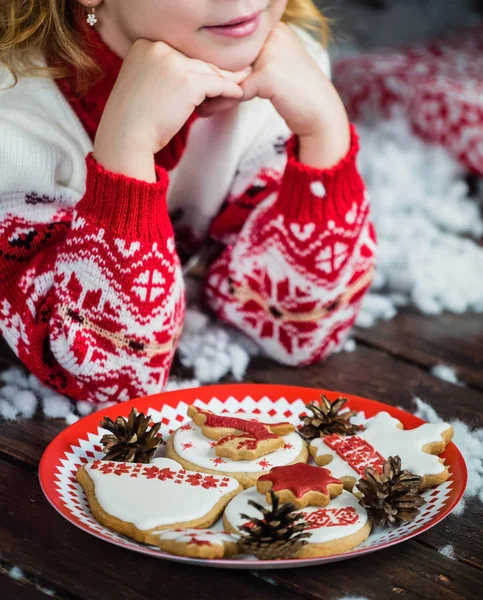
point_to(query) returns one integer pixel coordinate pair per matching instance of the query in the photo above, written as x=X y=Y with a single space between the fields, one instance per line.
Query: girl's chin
x=238 y=62
x=234 y=56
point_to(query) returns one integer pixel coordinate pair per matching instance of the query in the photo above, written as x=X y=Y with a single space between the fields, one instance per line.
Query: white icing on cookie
x=344 y=515
x=191 y=445
x=386 y=440
x=214 y=538
x=159 y=493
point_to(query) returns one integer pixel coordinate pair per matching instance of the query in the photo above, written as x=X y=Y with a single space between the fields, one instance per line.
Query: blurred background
x=374 y=23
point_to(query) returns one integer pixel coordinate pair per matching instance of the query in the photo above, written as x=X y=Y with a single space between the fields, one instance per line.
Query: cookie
x=300 y=484
x=383 y=437
x=137 y=499
x=192 y=449
x=240 y=438
x=195 y=543
x=337 y=528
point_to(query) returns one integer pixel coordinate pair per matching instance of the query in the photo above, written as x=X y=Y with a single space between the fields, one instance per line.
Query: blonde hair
x=29 y=28
x=305 y=14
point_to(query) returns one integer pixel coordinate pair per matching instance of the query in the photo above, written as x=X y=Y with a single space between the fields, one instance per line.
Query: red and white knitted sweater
x=91 y=286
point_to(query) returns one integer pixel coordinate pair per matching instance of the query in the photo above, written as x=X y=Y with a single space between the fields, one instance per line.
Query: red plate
x=79 y=444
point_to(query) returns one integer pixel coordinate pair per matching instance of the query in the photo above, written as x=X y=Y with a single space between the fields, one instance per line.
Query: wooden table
x=392 y=363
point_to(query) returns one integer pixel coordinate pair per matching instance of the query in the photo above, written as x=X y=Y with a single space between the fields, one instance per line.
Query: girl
x=121 y=121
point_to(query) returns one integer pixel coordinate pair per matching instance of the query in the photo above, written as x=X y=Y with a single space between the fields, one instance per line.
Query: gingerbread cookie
x=137 y=499
x=240 y=438
x=384 y=436
x=300 y=484
x=334 y=529
x=195 y=451
x=195 y=543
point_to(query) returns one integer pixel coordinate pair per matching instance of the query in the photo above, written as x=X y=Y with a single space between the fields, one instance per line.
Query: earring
x=91 y=17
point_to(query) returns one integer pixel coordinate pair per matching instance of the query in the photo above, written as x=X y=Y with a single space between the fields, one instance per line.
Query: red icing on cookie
x=255 y=431
x=300 y=479
x=331 y=517
x=356 y=451
x=325 y=517
x=181 y=477
x=194 y=540
x=213 y=420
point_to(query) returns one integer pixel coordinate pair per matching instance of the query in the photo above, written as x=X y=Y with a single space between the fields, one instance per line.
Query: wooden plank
x=7 y=356
x=25 y=440
x=409 y=570
x=34 y=537
x=453 y=340
x=37 y=539
x=459 y=532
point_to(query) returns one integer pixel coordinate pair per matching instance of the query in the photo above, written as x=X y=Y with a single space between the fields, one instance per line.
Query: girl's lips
x=241 y=28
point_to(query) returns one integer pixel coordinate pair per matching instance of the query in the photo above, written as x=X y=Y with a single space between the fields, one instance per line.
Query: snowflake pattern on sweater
x=294 y=275
x=91 y=286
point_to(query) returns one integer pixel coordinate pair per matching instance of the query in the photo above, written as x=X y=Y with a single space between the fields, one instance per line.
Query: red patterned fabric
x=91 y=292
x=439 y=86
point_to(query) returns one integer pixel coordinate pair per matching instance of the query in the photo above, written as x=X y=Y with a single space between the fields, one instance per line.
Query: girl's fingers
x=213 y=86
x=215 y=105
x=258 y=85
x=208 y=68
x=251 y=86
x=238 y=76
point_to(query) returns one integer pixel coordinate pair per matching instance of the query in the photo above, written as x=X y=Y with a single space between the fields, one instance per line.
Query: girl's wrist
x=326 y=146
x=127 y=158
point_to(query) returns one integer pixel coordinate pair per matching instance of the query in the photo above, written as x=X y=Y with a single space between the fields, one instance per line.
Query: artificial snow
x=23 y=393
x=349 y=345
x=84 y=408
x=7 y=410
x=446 y=374
x=56 y=406
x=469 y=443
x=426 y=225
x=264 y=577
x=71 y=418
x=16 y=573
x=213 y=350
x=448 y=551
x=26 y=402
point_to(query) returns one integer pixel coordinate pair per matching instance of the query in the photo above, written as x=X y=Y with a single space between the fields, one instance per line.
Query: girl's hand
x=157 y=90
x=286 y=74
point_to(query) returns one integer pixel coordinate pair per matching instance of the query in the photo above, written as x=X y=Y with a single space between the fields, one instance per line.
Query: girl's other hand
x=157 y=90
x=286 y=74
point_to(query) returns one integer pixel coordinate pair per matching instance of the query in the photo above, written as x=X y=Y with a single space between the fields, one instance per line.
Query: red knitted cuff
x=317 y=195
x=129 y=207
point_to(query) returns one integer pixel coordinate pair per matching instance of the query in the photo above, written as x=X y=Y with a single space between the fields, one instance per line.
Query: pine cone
x=279 y=534
x=130 y=440
x=326 y=419
x=391 y=497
